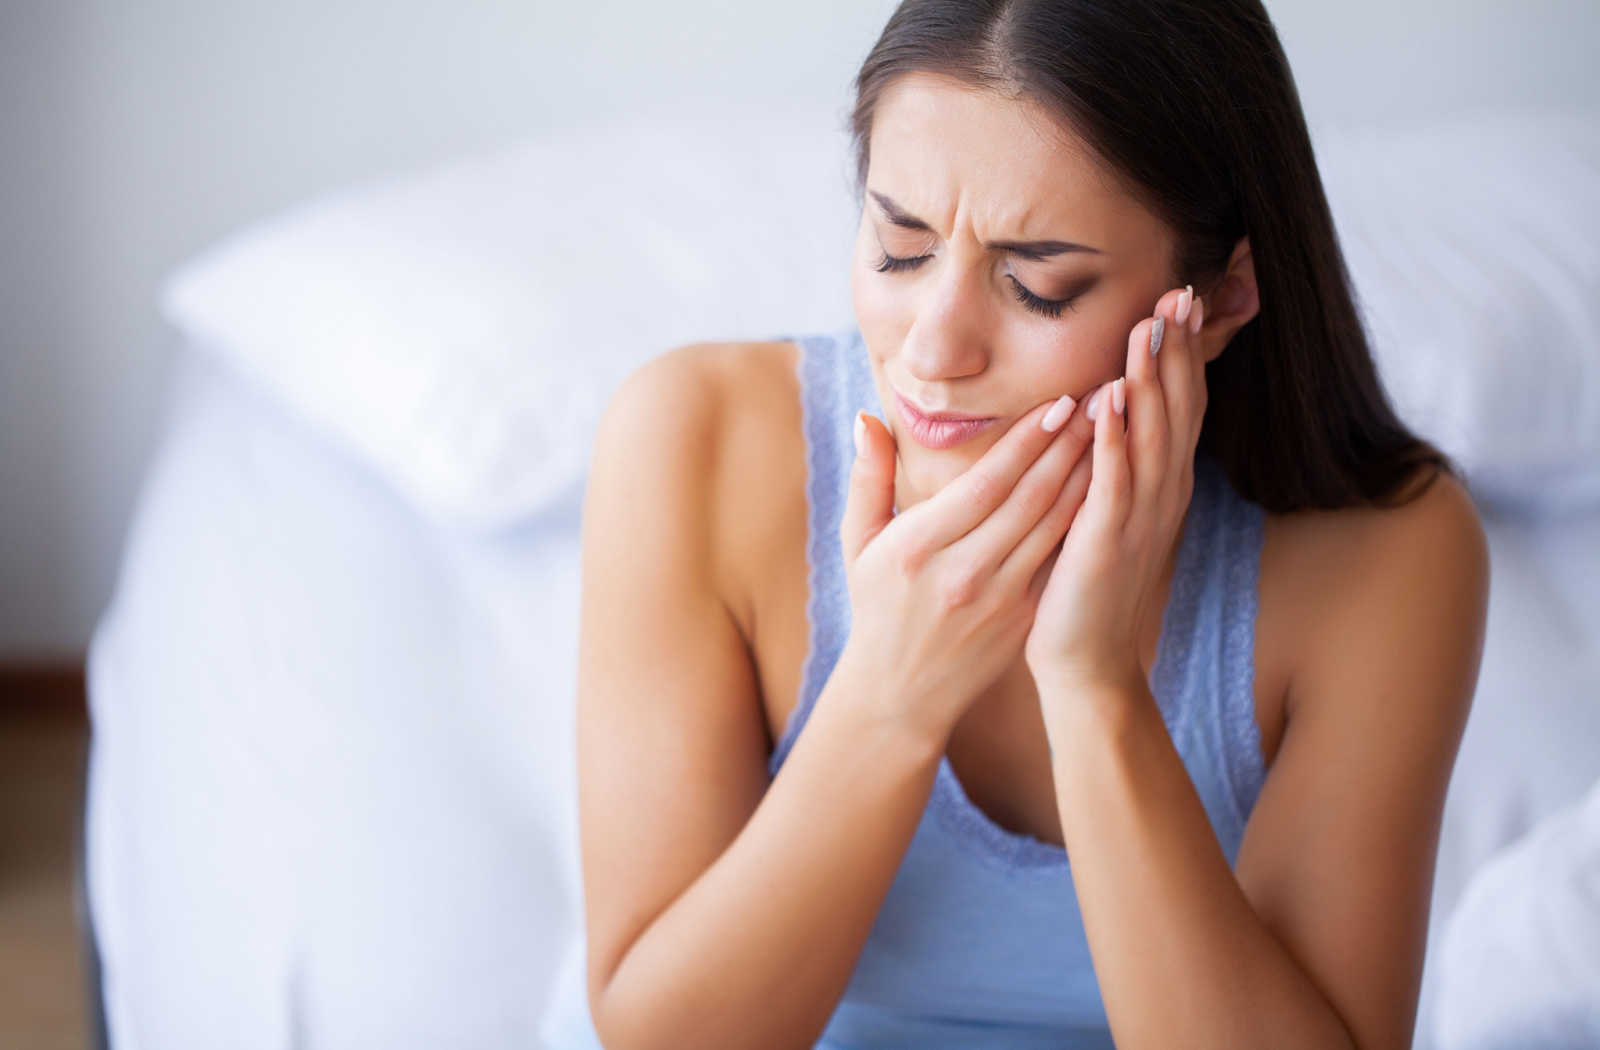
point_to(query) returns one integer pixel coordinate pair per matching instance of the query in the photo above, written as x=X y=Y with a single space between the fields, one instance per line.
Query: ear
x=1231 y=303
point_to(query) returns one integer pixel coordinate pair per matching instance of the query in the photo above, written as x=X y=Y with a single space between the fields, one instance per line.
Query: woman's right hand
x=943 y=594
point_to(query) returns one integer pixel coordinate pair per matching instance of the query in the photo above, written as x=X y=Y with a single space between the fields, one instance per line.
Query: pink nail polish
x=1093 y=407
x=1058 y=414
x=1196 y=319
x=1119 y=396
x=1185 y=301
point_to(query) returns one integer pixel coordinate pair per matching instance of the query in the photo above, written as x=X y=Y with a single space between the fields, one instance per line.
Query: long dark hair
x=1194 y=105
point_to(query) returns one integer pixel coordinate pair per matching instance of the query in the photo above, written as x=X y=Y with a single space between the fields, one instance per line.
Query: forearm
x=758 y=951
x=1181 y=957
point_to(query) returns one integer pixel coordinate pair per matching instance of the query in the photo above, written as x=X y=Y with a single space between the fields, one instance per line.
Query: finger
x=1183 y=380
x=869 y=502
x=986 y=547
x=1022 y=565
x=1148 y=431
x=1108 y=498
x=960 y=506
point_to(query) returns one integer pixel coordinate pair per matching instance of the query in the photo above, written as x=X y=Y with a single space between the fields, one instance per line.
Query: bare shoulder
x=1418 y=568
x=1439 y=523
x=733 y=409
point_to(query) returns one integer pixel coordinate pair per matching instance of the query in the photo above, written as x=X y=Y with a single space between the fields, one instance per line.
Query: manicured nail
x=1118 y=396
x=1195 y=319
x=1185 y=300
x=1155 y=334
x=861 y=435
x=1092 y=410
x=1058 y=413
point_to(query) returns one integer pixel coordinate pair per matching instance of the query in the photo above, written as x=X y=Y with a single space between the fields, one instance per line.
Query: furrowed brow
x=1035 y=250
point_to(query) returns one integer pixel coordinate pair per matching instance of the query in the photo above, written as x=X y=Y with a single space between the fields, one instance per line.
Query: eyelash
x=1046 y=307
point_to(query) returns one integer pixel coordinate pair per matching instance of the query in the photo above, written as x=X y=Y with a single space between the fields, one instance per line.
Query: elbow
x=613 y=1031
x=620 y=1027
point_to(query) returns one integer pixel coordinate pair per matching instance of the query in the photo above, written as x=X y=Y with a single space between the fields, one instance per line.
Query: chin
x=926 y=471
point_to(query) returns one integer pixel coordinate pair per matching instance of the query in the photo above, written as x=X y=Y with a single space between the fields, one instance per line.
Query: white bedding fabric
x=332 y=782
x=1520 y=964
x=331 y=755
x=443 y=323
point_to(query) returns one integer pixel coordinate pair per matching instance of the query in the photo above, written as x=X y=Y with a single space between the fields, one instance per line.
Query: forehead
x=940 y=146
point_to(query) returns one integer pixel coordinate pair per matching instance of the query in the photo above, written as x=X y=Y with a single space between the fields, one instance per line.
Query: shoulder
x=705 y=399
x=1389 y=578
x=718 y=425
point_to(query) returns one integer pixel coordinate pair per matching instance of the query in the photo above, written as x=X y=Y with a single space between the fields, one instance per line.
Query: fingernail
x=1185 y=300
x=1155 y=334
x=1058 y=413
x=1195 y=320
x=1094 y=404
x=1118 y=396
x=861 y=434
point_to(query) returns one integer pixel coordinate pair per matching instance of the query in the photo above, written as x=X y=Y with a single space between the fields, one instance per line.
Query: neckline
x=1020 y=854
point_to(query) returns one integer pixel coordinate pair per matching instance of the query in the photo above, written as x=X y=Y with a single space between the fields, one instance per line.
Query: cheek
x=1068 y=363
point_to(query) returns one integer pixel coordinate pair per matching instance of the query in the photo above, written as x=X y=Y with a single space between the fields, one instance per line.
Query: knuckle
x=958 y=588
x=908 y=561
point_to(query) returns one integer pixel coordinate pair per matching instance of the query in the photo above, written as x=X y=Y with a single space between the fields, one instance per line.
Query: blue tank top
x=979 y=940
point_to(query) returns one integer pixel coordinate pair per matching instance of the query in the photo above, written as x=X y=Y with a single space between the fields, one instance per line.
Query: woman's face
x=963 y=180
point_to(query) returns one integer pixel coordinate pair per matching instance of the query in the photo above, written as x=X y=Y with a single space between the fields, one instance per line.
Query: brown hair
x=1194 y=105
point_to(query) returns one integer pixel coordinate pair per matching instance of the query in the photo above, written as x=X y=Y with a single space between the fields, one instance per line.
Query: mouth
x=942 y=429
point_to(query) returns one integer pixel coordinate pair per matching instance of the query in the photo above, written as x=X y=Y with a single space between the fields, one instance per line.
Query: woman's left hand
x=1086 y=627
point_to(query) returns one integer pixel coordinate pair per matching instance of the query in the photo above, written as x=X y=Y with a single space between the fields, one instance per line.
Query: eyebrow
x=1027 y=249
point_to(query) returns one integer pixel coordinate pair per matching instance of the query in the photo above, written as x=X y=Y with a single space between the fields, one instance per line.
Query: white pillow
x=463 y=328
x=1474 y=245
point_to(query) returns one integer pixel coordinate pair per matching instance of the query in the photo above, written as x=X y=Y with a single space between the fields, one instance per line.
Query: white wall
x=133 y=134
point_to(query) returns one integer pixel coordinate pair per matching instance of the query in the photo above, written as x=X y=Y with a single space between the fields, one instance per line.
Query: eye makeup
x=1038 y=304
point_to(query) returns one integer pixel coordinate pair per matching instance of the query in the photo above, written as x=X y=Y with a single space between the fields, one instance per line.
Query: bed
x=332 y=793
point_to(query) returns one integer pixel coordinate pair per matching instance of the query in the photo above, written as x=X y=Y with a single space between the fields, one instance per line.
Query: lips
x=944 y=430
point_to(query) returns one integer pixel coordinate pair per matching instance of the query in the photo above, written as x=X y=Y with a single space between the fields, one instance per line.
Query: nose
x=946 y=338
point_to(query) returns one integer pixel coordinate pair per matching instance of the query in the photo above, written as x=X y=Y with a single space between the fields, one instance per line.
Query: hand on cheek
x=1146 y=427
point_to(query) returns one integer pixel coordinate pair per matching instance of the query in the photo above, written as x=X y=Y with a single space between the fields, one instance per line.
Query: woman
x=1133 y=729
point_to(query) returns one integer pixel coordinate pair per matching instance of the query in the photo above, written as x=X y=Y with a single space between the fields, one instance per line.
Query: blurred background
x=136 y=136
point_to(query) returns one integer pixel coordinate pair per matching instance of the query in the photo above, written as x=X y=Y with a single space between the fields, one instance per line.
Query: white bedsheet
x=332 y=783
x=329 y=792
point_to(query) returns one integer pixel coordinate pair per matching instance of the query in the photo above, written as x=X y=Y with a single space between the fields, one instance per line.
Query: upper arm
x=1338 y=856
x=671 y=738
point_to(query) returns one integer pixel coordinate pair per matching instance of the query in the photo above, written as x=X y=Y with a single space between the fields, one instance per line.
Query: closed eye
x=1039 y=305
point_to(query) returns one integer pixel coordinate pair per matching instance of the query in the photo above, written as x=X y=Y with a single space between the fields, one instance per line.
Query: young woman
x=1019 y=732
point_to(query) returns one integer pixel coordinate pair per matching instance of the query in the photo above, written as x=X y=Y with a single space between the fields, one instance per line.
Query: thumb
x=869 y=505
